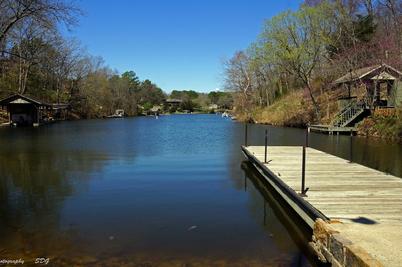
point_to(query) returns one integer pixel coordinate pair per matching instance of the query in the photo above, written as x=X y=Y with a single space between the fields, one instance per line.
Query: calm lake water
x=147 y=192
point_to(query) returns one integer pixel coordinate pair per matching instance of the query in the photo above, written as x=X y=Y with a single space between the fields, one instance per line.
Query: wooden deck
x=329 y=129
x=367 y=202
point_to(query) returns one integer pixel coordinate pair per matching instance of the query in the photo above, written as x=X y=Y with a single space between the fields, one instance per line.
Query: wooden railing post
x=351 y=147
x=245 y=134
x=303 y=183
x=266 y=145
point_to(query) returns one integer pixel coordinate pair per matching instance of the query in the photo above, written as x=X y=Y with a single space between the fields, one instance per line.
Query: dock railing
x=305 y=145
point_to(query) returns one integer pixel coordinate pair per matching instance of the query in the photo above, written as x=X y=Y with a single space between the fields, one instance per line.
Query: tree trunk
x=24 y=84
x=315 y=104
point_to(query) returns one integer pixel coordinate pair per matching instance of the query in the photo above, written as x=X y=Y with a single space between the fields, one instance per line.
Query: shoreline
x=358 y=133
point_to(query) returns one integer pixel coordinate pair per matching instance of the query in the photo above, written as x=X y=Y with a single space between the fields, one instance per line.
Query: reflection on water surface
x=141 y=191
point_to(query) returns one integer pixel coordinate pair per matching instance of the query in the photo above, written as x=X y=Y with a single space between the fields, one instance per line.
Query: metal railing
x=349 y=113
x=304 y=189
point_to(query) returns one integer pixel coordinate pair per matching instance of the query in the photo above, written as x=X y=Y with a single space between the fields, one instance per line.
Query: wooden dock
x=363 y=205
x=331 y=130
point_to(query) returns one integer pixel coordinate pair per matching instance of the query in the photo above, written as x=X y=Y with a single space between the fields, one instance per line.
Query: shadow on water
x=298 y=230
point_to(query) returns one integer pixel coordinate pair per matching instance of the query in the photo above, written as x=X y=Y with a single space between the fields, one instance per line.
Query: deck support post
x=351 y=147
x=266 y=145
x=245 y=134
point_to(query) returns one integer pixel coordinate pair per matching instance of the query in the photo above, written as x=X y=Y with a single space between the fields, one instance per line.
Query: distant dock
x=329 y=129
x=355 y=212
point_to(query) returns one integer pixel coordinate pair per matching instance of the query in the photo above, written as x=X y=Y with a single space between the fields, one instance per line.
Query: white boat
x=119 y=113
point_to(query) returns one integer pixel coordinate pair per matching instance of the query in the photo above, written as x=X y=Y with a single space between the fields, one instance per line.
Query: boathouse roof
x=173 y=100
x=376 y=72
x=22 y=99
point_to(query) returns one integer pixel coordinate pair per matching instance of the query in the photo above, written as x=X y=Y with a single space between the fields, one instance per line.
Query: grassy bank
x=295 y=110
x=290 y=110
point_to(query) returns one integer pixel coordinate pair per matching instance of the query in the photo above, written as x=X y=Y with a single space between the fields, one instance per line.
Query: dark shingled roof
x=173 y=100
x=11 y=98
x=363 y=72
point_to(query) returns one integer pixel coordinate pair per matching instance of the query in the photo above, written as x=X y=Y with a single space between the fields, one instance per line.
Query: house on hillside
x=172 y=104
x=367 y=90
x=27 y=111
x=381 y=83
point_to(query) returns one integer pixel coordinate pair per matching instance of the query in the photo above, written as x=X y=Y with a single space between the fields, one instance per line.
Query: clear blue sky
x=176 y=44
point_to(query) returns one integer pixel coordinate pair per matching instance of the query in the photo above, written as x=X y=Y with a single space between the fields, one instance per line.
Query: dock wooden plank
x=344 y=191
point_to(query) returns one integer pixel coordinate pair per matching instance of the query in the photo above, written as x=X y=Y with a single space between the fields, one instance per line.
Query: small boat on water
x=119 y=113
x=225 y=115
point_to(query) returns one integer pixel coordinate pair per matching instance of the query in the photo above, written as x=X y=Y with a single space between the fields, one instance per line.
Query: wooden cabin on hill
x=27 y=111
x=374 y=89
x=382 y=85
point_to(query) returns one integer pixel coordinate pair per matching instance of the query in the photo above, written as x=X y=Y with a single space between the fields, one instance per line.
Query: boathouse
x=374 y=89
x=27 y=111
x=171 y=102
x=376 y=86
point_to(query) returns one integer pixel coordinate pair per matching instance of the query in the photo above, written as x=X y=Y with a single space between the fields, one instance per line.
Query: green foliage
x=132 y=79
x=188 y=105
x=214 y=96
x=222 y=99
x=184 y=94
x=364 y=27
x=150 y=93
x=147 y=106
x=382 y=126
x=296 y=41
x=189 y=99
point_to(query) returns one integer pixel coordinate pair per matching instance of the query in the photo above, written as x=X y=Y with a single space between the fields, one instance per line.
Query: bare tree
x=31 y=42
x=46 y=13
x=238 y=78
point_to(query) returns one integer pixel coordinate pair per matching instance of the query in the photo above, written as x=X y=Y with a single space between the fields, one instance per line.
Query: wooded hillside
x=306 y=50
